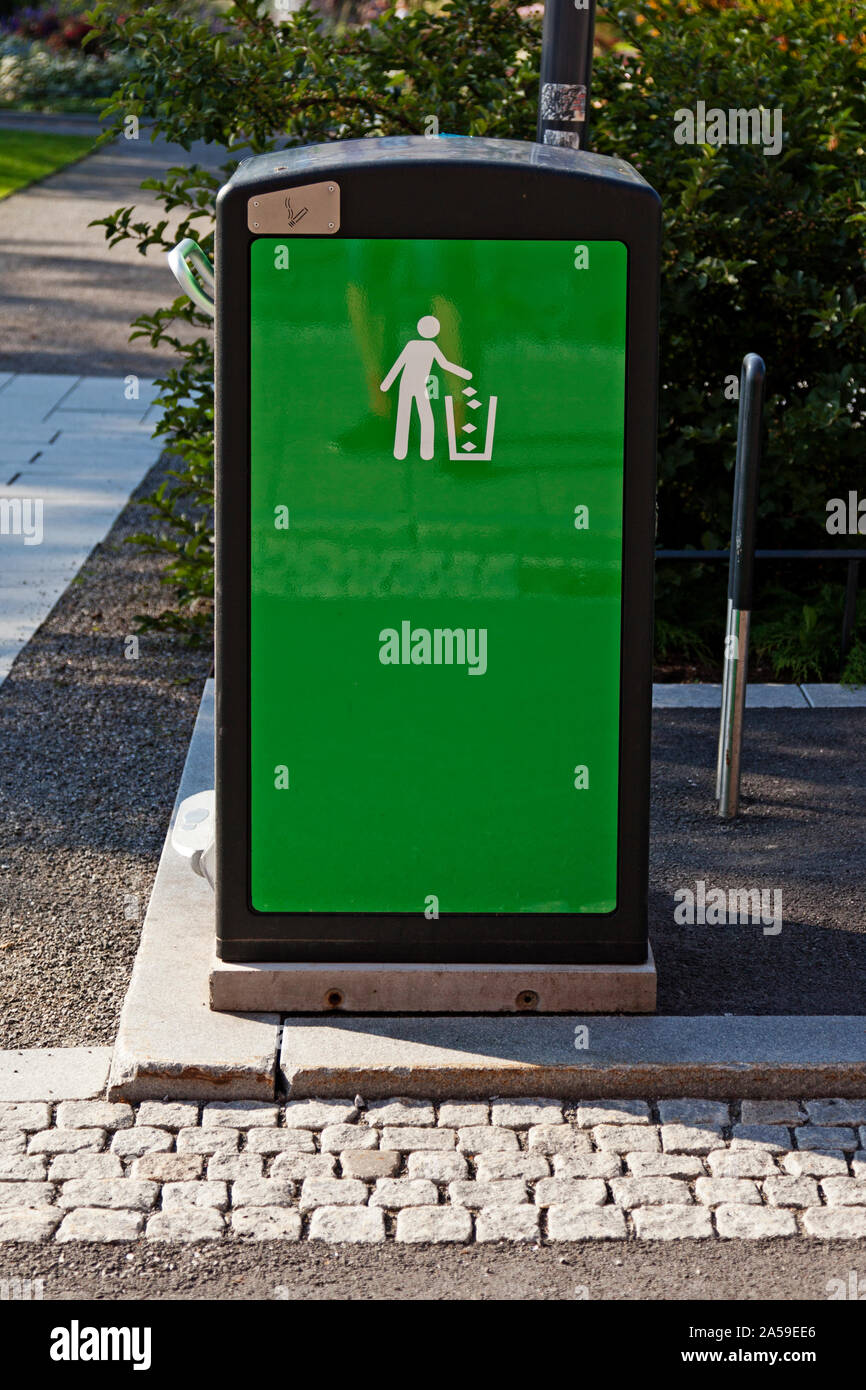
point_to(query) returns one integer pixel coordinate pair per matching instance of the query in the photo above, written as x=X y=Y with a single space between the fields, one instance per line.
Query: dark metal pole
x=850 y=607
x=741 y=581
x=566 y=73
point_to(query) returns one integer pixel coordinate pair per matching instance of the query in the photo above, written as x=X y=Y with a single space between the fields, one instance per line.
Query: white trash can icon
x=467 y=448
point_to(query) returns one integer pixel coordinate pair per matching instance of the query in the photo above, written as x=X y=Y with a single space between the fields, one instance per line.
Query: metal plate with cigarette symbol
x=310 y=210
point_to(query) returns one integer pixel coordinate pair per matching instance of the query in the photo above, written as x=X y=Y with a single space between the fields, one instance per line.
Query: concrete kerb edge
x=759 y=695
x=618 y=1056
x=470 y=1080
x=671 y=1081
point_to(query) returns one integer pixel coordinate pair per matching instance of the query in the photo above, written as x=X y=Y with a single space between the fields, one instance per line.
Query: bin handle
x=185 y=259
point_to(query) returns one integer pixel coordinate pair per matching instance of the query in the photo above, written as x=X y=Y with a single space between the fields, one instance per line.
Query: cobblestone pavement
x=504 y=1170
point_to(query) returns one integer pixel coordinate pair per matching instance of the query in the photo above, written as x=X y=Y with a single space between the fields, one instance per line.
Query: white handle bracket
x=194 y=273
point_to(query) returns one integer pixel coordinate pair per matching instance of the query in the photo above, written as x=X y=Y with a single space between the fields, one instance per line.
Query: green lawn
x=26 y=155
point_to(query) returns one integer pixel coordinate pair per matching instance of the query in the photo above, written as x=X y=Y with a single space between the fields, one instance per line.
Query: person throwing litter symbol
x=413 y=366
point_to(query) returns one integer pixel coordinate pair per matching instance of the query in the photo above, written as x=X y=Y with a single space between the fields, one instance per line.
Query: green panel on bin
x=384 y=777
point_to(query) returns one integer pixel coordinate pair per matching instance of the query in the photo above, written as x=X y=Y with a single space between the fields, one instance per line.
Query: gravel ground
x=720 y=1270
x=91 y=750
x=802 y=830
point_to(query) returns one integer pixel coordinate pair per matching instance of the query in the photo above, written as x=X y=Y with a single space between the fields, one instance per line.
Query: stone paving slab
x=441 y=1185
x=77 y=447
x=110 y=394
x=766 y=695
x=759 y=695
x=53 y=1073
x=44 y=389
x=687 y=695
x=706 y=695
x=625 y=1057
x=835 y=696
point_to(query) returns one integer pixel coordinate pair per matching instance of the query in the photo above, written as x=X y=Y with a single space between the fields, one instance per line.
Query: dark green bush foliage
x=801 y=640
x=762 y=253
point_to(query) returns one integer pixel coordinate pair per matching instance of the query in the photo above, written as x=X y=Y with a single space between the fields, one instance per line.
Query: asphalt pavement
x=67 y=300
x=801 y=833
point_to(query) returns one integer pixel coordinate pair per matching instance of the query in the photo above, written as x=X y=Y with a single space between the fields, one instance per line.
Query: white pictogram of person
x=413 y=366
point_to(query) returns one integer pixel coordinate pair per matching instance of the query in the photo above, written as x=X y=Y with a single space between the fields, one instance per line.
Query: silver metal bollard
x=740 y=585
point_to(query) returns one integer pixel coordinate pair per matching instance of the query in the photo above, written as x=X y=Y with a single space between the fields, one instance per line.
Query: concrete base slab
x=170 y=1042
x=435 y=989
x=589 y=1057
x=54 y=1073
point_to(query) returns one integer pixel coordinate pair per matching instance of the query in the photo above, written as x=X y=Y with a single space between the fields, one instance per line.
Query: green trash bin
x=436 y=394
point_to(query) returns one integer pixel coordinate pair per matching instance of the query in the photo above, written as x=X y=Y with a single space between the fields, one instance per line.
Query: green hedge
x=762 y=252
